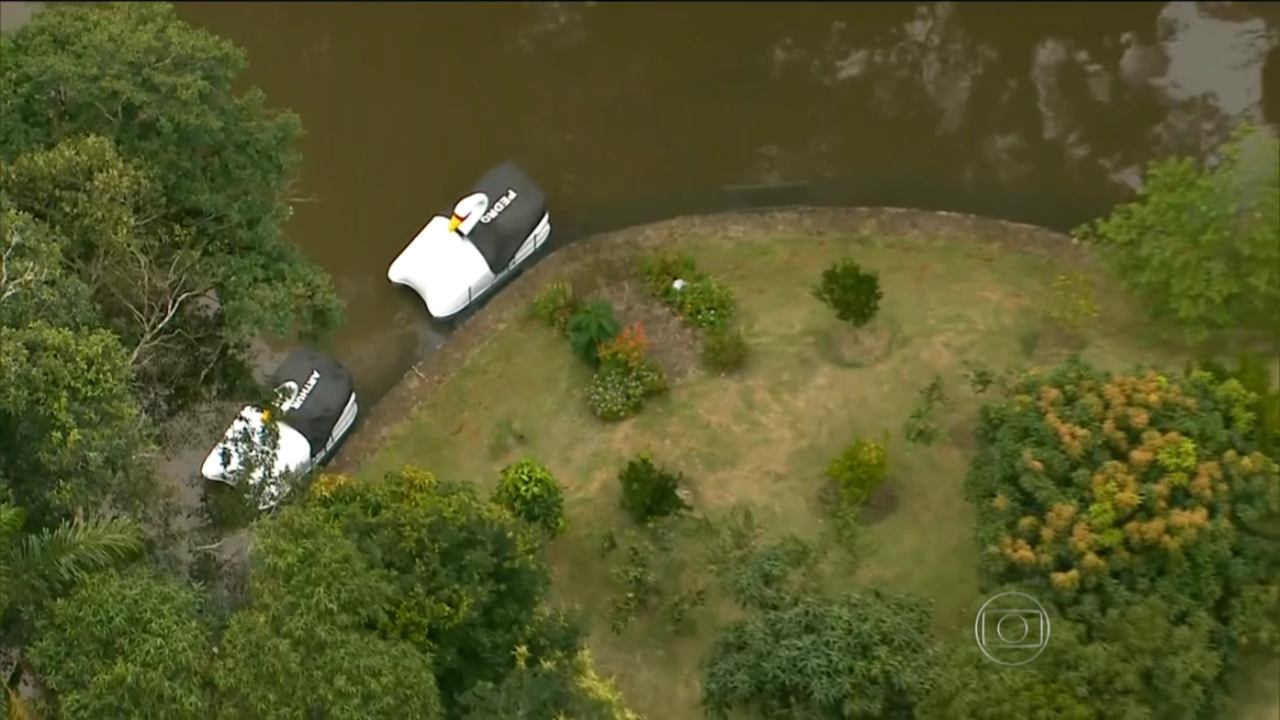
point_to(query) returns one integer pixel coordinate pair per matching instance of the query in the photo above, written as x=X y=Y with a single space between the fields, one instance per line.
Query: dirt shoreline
x=597 y=261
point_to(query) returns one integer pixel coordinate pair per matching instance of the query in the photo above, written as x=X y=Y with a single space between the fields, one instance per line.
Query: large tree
x=799 y=653
x=166 y=189
x=469 y=578
x=1106 y=493
x=557 y=687
x=1201 y=245
x=307 y=645
x=126 y=645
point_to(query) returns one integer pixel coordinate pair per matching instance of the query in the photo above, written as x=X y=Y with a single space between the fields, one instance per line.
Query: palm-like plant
x=36 y=567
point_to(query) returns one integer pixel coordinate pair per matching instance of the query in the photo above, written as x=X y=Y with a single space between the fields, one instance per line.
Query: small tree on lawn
x=1200 y=245
x=801 y=654
x=853 y=293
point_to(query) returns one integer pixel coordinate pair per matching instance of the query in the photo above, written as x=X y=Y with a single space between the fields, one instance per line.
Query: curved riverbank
x=597 y=261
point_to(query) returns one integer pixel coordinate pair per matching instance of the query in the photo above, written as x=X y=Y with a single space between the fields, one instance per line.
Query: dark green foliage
x=307 y=644
x=1252 y=372
x=69 y=424
x=530 y=492
x=855 y=656
x=724 y=349
x=558 y=687
x=648 y=491
x=853 y=293
x=467 y=576
x=979 y=377
x=126 y=645
x=556 y=305
x=167 y=183
x=590 y=327
x=858 y=471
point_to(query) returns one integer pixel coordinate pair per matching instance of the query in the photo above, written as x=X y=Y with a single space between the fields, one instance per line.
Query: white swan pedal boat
x=315 y=409
x=454 y=261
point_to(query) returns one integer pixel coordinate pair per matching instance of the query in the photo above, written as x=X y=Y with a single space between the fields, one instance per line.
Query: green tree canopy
x=165 y=189
x=469 y=576
x=555 y=688
x=1128 y=501
x=847 y=658
x=125 y=645
x=305 y=646
x=1201 y=245
x=69 y=426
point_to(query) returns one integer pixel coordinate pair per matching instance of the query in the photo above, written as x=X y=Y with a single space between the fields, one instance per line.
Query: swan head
x=466 y=214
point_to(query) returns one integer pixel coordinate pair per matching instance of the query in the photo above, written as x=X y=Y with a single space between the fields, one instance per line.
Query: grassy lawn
x=763 y=436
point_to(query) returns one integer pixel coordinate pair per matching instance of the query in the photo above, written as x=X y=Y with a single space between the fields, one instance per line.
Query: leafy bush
x=592 y=325
x=1252 y=372
x=556 y=305
x=530 y=492
x=705 y=304
x=701 y=301
x=649 y=491
x=853 y=293
x=979 y=377
x=1096 y=491
x=724 y=349
x=659 y=272
x=920 y=428
x=1200 y=245
x=859 y=470
x=627 y=376
x=628 y=349
x=615 y=393
x=851 y=656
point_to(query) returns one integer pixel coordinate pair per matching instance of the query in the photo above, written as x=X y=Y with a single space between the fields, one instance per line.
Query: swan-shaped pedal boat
x=454 y=261
x=315 y=409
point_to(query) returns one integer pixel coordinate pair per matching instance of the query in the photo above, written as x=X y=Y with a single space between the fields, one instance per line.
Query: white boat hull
x=449 y=274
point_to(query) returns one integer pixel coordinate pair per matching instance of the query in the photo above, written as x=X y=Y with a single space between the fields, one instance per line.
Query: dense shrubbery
x=649 y=492
x=858 y=471
x=627 y=375
x=1096 y=490
x=1201 y=245
x=700 y=299
x=556 y=305
x=853 y=293
x=530 y=492
x=592 y=325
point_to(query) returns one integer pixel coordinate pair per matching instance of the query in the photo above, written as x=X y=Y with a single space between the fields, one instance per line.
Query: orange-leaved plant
x=627 y=350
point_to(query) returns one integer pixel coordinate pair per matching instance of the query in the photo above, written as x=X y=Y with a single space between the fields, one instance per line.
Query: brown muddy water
x=999 y=106
x=1034 y=112
x=1040 y=113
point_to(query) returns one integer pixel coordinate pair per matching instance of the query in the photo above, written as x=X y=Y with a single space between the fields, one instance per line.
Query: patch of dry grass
x=761 y=436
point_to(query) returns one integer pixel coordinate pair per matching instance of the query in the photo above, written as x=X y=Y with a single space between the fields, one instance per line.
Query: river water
x=988 y=107
x=406 y=104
